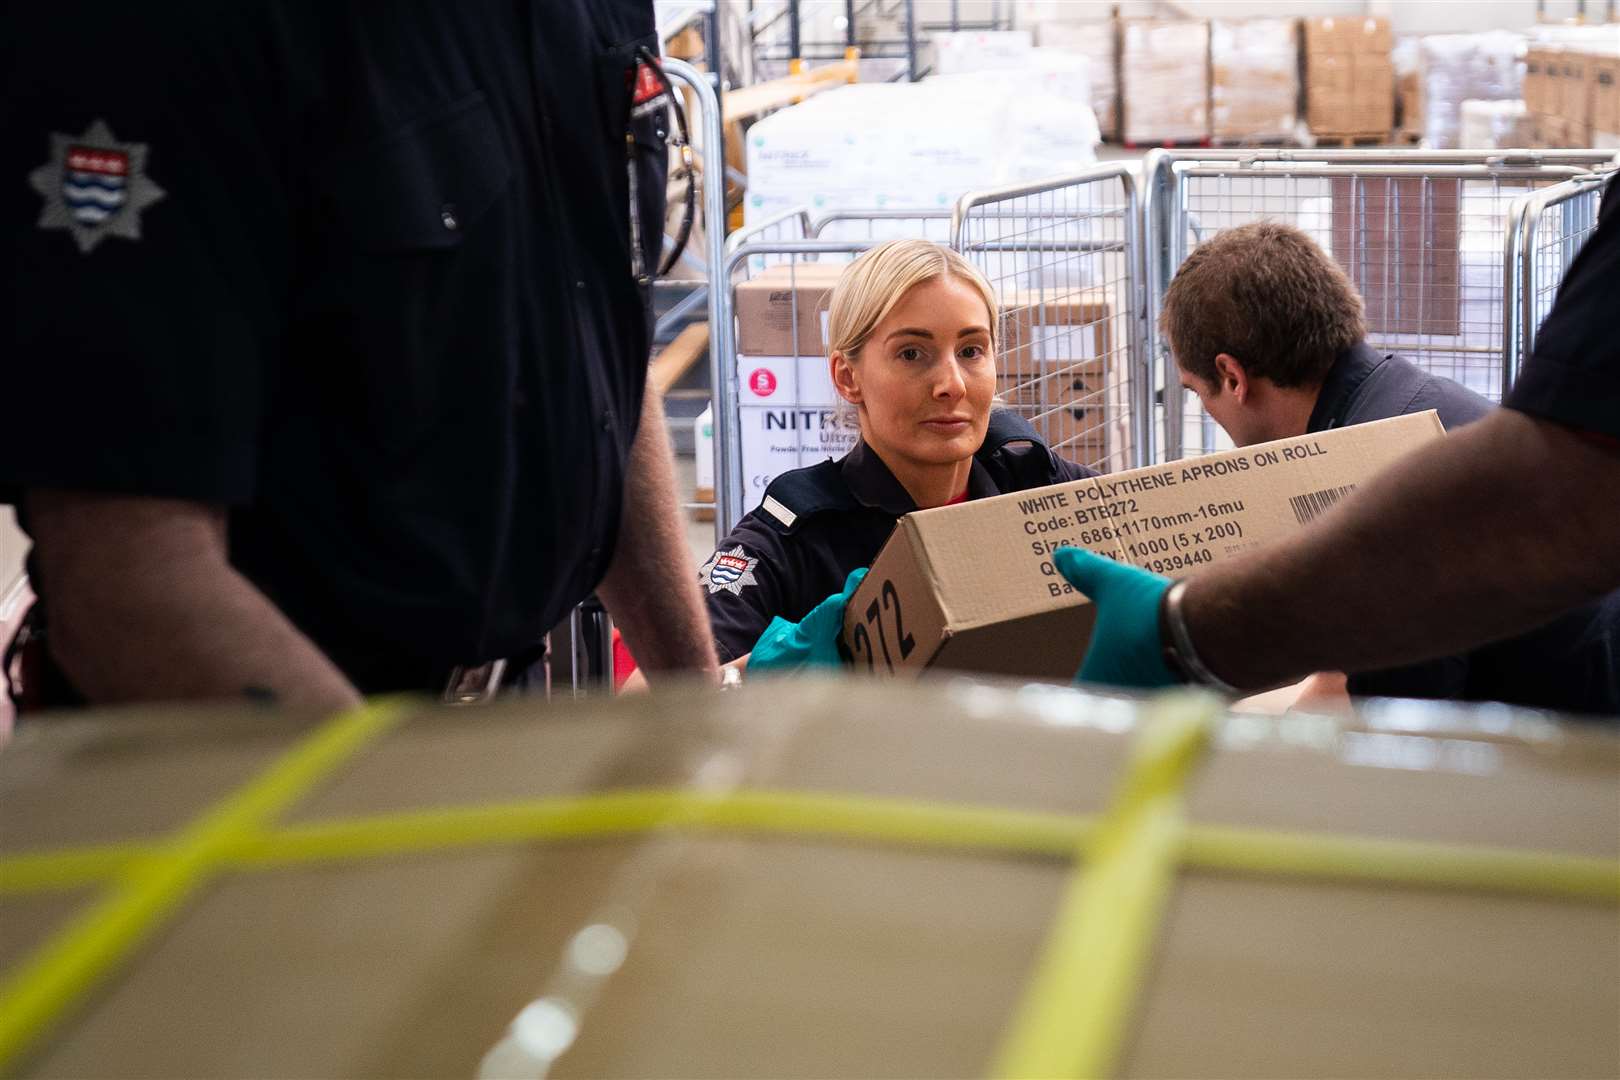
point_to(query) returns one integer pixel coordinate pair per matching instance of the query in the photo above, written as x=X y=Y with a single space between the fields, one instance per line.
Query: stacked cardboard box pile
x=1349 y=78
x=1164 y=81
x=788 y=415
x=1061 y=365
x=1254 y=78
x=1572 y=91
x=810 y=878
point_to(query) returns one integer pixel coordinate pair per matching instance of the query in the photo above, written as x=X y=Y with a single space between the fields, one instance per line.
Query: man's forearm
x=144 y=606
x=1494 y=531
x=651 y=588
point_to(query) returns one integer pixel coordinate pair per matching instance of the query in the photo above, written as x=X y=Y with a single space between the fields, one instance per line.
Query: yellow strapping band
x=70 y=868
x=618 y=813
x=880 y=820
x=1072 y=1017
x=1401 y=862
x=152 y=887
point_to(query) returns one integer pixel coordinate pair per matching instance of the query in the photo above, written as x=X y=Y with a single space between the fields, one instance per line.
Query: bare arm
x=143 y=605
x=1504 y=525
x=650 y=589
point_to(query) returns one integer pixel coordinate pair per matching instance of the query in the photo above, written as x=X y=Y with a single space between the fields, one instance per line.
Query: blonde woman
x=912 y=338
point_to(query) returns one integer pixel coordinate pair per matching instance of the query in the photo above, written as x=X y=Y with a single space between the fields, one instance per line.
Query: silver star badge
x=729 y=571
x=94 y=186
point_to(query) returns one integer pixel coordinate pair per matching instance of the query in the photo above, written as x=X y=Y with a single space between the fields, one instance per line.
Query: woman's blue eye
x=911 y=352
x=971 y=352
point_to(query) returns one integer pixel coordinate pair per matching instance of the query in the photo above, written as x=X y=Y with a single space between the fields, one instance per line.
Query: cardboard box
x=1537 y=79
x=1573 y=95
x=1058 y=367
x=972 y=586
x=724 y=885
x=779 y=438
x=785 y=380
x=1603 y=84
x=1349 y=76
x=1350 y=94
x=1164 y=80
x=1254 y=78
x=1558 y=133
x=782 y=310
x=1347 y=34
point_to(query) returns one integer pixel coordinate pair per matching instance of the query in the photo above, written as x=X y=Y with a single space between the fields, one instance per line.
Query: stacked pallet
x=1349 y=79
x=1573 y=95
x=1254 y=80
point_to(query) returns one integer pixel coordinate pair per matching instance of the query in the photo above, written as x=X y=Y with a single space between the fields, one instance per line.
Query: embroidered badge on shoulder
x=94 y=186
x=729 y=571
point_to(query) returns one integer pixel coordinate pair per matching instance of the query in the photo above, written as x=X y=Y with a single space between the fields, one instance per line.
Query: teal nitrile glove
x=1126 y=649
x=812 y=642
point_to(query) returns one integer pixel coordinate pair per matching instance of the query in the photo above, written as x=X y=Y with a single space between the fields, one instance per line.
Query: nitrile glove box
x=972 y=587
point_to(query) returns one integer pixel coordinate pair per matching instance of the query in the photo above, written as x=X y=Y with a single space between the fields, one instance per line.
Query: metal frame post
x=911 y=41
x=714 y=233
x=1138 y=370
x=795 y=62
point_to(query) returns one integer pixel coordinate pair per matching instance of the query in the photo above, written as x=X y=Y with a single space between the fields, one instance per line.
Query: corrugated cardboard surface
x=61 y=781
x=780 y=310
x=988 y=563
x=1347 y=34
x=1423 y=983
x=797 y=955
x=1603 y=84
x=1349 y=77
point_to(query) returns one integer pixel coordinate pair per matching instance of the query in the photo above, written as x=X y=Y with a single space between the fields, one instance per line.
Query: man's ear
x=1232 y=378
x=844 y=379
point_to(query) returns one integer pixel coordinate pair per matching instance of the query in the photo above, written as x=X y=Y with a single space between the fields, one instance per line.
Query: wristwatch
x=1176 y=643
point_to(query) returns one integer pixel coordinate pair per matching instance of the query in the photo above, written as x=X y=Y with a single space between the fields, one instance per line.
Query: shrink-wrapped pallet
x=1254 y=78
x=1494 y=125
x=1098 y=42
x=1164 y=81
x=1454 y=68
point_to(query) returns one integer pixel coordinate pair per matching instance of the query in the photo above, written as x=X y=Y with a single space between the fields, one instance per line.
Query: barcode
x=1311 y=505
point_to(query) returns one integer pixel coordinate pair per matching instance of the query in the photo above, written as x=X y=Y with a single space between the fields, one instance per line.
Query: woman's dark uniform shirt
x=365 y=281
x=817 y=524
x=1572 y=664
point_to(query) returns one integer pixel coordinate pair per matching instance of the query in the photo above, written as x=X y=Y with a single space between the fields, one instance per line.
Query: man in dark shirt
x=1506 y=524
x=326 y=337
x=1268 y=332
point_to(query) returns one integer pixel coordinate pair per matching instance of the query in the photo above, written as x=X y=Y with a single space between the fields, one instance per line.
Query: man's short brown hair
x=1267 y=295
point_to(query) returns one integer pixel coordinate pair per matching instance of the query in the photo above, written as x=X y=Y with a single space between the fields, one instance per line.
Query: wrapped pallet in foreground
x=810 y=878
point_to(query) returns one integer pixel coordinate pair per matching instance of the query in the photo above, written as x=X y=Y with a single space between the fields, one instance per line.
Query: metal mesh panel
x=1564 y=222
x=1422 y=244
x=786 y=227
x=873 y=226
x=775 y=408
x=1063 y=259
